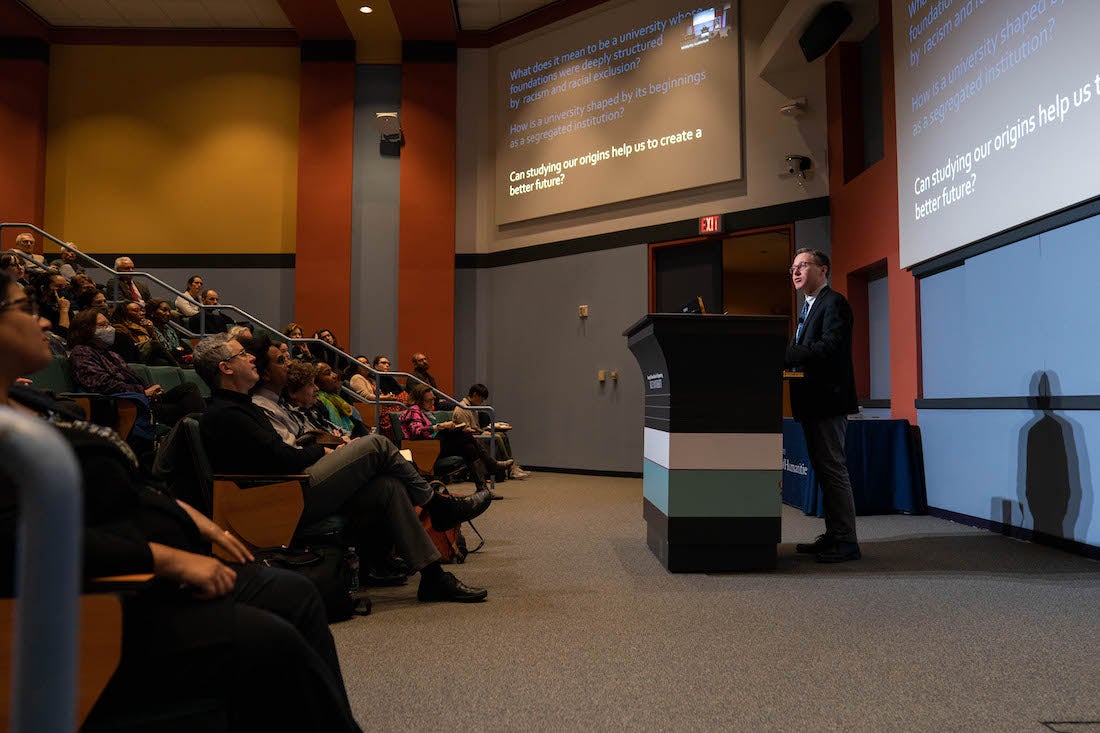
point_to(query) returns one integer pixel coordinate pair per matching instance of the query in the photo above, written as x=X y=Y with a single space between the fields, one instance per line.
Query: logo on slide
x=706 y=25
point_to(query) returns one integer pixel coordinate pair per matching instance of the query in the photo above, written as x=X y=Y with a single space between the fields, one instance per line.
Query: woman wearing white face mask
x=98 y=369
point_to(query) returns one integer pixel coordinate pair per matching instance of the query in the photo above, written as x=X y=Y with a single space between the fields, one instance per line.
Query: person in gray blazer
x=822 y=400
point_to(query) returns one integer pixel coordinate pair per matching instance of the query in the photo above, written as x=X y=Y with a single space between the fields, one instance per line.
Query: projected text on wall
x=629 y=101
x=996 y=105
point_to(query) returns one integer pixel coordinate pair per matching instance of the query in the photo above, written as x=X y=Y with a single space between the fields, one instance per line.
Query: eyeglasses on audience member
x=24 y=304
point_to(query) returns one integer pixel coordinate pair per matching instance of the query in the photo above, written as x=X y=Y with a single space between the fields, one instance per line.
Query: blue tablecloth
x=884 y=464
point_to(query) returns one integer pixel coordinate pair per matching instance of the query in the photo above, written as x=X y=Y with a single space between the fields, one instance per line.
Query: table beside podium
x=713 y=453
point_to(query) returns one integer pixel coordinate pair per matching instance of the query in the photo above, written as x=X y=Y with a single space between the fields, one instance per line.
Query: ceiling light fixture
x=366 y=9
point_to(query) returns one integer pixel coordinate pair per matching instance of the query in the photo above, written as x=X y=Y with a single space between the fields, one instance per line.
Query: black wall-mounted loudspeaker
x=824 y=30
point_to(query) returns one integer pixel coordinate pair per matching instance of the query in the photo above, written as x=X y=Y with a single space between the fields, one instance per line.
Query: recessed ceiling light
x=366 y=9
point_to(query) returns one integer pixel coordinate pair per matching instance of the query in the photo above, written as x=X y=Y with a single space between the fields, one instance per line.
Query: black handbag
x=326 y=567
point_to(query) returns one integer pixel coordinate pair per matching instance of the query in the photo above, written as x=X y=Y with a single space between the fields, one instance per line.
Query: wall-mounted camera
x=797 y=166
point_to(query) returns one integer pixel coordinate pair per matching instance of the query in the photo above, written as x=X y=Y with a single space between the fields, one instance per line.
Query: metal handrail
x=252 y=319
x=47 y=581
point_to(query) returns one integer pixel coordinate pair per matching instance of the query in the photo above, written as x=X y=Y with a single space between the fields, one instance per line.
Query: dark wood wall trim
x=197 y=262
x=173 y=37
x=24 y=49
x=435 y=52
x=732 y=222
x=328 y=51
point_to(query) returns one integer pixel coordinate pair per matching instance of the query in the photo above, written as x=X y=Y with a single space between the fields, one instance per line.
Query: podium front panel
x=713 y=438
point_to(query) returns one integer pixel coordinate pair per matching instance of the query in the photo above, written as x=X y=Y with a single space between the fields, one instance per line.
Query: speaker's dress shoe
x=840 y=552
x=450 y=588
x=821 y=544
x=450 y=511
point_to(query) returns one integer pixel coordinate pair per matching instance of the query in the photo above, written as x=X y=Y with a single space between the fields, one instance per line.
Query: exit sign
x=710 y=224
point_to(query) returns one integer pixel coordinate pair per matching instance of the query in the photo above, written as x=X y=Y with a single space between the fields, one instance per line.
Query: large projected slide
x=628 y=100
x=998 y=115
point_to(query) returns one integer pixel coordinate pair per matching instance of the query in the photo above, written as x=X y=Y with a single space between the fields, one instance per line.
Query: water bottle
x=351 y=567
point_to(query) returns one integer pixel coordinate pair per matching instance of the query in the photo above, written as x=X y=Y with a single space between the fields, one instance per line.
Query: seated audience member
x=240 y=331
x=51 y=294
x=366 y=480
x=128 y=317
x=98 y=369
x=66 y=263
x=130 y=322
x=360 y=380
x=79 y=285
x=476 y=397
x=160 y=314
x=387 y=384
x=216 y=321
x=419 y=422
x=333 y=359
x=25 y=243
x=92 y=299
x=420 y=370
x=203 y=630
x=188 y=303
x=12 y=265
x=300 y=402
x=297 y=351
x=128 y=287
x=338 y=410
x=364 y=383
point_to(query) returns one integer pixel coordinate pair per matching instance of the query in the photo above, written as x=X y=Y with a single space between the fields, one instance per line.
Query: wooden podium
x=713 y=438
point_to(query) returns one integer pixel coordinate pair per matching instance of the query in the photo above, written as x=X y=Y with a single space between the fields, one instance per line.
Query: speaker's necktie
x=801 y=321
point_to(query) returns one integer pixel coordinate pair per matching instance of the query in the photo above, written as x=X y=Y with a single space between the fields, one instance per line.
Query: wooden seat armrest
x=118 y=583
x=272 y=477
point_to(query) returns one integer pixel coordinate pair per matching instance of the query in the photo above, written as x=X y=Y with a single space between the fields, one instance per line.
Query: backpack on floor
x=451 y=544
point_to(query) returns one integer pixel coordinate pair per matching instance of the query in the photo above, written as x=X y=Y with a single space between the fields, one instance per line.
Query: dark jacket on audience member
x=239 y=438
x=124 y=290
x=103 y=371
x=216 y=322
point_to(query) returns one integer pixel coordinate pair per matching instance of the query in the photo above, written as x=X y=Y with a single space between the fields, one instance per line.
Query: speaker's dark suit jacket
x=824 y=353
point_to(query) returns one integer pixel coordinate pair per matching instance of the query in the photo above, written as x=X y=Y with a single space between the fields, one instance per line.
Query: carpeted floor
x=940 y=627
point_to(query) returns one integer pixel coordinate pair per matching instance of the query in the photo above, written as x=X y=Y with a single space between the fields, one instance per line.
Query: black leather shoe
x=381 y=578
x=821 y=544
x=450 y=588
x=450 y=511
x=840 y=552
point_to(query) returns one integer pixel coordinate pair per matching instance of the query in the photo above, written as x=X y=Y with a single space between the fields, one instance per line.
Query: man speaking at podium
x=823 y=398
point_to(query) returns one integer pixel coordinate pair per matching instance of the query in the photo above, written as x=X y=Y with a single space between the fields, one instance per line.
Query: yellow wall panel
x=173 y=149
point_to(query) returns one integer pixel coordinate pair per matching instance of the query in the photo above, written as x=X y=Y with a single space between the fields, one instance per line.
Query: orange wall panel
x=864 y=216
x=23 y=94
x=322 y=280
x=426 y=280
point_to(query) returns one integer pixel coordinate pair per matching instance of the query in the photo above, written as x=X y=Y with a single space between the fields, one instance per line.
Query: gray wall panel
x=539 y=359
x=374 y=227
x=878 y=324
